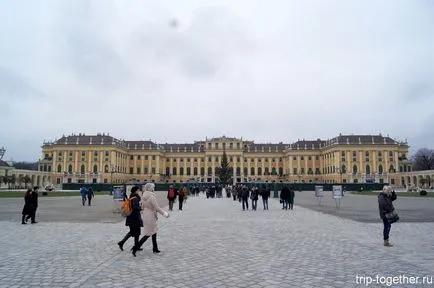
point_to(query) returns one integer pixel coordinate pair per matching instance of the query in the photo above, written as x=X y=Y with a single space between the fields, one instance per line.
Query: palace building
x=343 y=159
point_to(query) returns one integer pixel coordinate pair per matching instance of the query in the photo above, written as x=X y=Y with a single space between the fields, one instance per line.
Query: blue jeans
x=386 y=229
x=265 y=201
x=285 y=204
x=83 y=199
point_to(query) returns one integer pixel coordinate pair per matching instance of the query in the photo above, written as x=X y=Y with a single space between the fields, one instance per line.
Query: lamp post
x=2 y=152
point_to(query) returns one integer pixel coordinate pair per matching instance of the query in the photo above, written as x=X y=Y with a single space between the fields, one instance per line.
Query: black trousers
x=134 y=232
x=154 y=242
x=89 y=199
x=171 y=205
x=181 y=201
x=33 y=214
x=246 y=202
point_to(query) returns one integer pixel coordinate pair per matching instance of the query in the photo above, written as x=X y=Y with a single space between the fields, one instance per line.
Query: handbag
x=392 y=217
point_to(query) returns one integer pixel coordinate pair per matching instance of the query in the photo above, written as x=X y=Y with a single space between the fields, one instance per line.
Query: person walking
x=134 y=220
x=181 y=197
x=171 y=195
x=265 y=193
x=90 y=195
x=385 y=207
x=150 y=208
x=284 y=197
x=254 y=196
x=291 y=198
x=83 y=192
x=245 y=197
x=34 y=203
x=27 y=209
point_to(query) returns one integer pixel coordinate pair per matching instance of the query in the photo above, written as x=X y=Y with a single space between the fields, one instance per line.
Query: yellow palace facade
x=343 y=159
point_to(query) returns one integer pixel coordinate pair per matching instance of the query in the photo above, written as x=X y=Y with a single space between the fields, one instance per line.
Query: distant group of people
x=173 y=193
x=243 y=193
x=144 y=215
x=30 y=205
x=86 y=194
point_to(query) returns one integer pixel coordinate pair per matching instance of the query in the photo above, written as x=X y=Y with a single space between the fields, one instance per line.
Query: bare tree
x=423 y=159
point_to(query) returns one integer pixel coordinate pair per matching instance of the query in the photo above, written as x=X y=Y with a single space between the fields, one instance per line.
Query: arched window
x=195 y=171
x=181 y=171
x=70 y=169
x=368 y=170
x=202 y=170
x=354 y=169
x=95 y=169
x=106 y=170
x=380 y=169
x=343 y=169
x=238 y=171
x=174 y=171
x=252 y=171
x=273 y=171
x=82 y=169
x=167 y=171
x=246 y=170
x=266 y=172
x=59 y=168
x=209 y=171
x=391 y=168
x=188 y=171
x=280 y=171
x=259 y=171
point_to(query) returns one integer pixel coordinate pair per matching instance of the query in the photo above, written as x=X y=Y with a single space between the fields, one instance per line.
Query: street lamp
x=2 y=152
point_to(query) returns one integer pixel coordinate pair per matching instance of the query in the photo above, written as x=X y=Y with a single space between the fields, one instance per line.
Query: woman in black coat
x=27 y=209
x=134 y=220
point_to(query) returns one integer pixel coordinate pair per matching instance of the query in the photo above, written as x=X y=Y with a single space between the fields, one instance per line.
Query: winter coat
x=245 y=192
x=90 y=193
x=174 y=194
x=34 y=199
x=182 y=195
x=385 y=204
x=28 y=206
x=291 y=196
x=150 y=208
x=284 y=194
x=135 y=219
x=83 y=192
x=254 y=195
x=265 y=193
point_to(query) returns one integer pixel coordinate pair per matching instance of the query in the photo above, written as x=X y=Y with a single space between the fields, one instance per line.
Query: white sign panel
x=319 y=191
x=337 y=191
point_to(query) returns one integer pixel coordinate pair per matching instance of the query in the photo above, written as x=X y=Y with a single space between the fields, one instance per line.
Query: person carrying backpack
x=134 y=219
x=83 y=192
x=171 y=195
x=181 y=196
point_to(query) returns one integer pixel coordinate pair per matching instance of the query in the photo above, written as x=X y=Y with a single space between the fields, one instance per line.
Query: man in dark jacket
x=385 y=206
x=34 y=202
x=265 y=193
x=291 y=198
x=245 y=197
x=284 y=196
x=171 y=196
x=134 y=220
x=90 y=195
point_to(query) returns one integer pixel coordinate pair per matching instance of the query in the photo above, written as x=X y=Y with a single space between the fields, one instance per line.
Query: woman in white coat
x=150 y=208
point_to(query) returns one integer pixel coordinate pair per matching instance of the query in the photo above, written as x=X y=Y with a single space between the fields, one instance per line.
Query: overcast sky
x=267 y=71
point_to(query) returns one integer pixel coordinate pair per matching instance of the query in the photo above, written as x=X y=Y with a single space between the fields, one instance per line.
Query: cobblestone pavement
x=213 y=243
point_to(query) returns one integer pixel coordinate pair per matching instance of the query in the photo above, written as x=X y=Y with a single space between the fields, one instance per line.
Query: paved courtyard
x=212 y=243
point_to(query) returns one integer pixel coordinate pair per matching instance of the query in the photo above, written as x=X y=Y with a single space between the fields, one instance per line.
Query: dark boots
x=23 y=220
x=142 y=241
x=154 y=244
